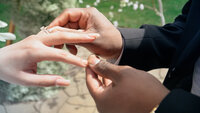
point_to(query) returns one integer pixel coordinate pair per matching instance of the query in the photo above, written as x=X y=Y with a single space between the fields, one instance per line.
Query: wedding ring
x=44 y=29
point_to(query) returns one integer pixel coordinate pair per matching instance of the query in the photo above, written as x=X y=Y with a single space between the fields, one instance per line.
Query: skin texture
x=130 y=90
x=115 y=89
x=108 y=45
x=18 y=62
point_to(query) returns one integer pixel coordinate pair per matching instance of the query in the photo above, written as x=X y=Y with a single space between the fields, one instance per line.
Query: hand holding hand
x=131 y=90
x=108 y=45
x=18 y=62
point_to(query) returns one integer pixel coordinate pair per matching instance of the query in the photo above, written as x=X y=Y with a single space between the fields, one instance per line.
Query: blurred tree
x=30 y=15
x=159 y=11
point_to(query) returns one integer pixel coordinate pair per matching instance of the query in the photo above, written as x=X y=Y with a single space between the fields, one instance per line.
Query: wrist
x=119 y=45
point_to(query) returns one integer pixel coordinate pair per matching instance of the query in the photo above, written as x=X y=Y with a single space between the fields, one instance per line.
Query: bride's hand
x=18 y=62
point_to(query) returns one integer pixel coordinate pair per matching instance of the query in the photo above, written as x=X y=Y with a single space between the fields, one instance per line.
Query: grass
x=134 y=19
x=127 y=18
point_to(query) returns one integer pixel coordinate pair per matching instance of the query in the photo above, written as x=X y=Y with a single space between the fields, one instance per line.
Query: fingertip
x=50 y=25
x=85 y=63
x=93 y=60
x=94 y=35
x=50 y=30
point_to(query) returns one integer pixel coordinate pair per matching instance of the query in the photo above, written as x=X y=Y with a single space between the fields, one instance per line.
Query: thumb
x=94 y=85
x=104 y=69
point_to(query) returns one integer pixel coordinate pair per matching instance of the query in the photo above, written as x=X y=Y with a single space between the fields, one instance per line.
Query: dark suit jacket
x=175 y=46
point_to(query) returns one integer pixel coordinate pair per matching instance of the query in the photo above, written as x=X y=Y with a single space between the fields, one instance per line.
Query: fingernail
x=51 y=29
x=81 y=30
x=85 y=62
x=89 y=37
x=93 y=60
x=62 y=82
x=94 y=35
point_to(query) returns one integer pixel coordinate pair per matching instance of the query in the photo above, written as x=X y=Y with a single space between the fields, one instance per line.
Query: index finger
x=94 y=85
x=58 y=38
x=53 y=54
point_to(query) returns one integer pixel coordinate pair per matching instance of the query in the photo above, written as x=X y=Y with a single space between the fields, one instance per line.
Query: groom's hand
x=107 y=45
x=131 y=90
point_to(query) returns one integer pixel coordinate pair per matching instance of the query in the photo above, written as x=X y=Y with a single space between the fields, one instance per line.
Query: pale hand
x=18 y=62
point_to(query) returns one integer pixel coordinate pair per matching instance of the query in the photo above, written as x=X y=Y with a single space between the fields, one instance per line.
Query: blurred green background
x=30 y=15
x=127 y=18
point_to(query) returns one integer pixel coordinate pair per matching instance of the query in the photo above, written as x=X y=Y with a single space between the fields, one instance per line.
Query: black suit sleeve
x=152 y=46
x=179 y=101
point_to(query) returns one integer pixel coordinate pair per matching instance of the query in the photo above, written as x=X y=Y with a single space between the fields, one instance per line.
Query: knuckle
x=34 y=46
x=124 y=69
x=63 y=55
x=102 y=66
x=127 y=67
x=32 y=36
x=92 y=8
x=66 y=11
x=31 y=48
x=106 y=67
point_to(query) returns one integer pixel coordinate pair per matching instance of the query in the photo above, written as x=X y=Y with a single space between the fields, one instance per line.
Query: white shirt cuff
x=116 y=61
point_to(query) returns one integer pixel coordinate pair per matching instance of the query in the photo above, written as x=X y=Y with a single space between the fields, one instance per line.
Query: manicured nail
x=91 y=37
x=94 y=60
x=94 y=35
x=50 y=30
x=53 y=28
x=85 y=62
x=81 y=30
x=62 y=82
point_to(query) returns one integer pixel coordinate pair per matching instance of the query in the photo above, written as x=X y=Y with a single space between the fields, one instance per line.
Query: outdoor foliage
x=30 y=15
